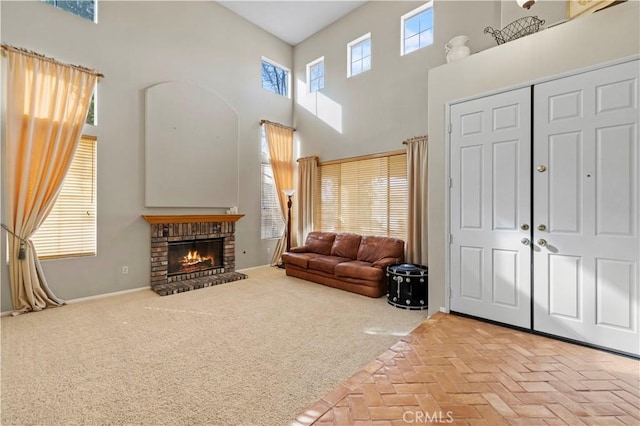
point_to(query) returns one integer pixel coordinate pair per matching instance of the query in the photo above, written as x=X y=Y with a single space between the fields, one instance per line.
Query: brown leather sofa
x=344 y=260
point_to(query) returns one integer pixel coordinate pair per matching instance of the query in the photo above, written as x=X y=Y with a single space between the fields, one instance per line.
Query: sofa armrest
x=301 y=249
x=385 y=261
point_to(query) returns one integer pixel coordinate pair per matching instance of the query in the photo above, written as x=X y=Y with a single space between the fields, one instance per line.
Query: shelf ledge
x=197 y=218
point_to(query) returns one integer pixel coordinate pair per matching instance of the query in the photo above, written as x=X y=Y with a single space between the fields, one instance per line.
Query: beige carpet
x=251 y=352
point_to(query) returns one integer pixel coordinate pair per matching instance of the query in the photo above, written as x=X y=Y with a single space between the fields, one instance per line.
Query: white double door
x=544 y=211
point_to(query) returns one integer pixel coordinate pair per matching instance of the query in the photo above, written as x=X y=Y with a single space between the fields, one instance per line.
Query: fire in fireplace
x=186 y=257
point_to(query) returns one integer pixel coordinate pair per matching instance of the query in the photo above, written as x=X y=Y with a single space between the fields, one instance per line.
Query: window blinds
x=272 y=225
x=70 y=228
x=367 y=196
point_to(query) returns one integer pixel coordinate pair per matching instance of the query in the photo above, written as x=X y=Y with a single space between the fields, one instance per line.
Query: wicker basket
x=518 y=28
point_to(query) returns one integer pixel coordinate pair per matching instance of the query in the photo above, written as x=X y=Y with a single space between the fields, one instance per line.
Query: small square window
x=416 y=29
x=83 y=8
x=275 y=77
x=359 y=55
x=315 y=75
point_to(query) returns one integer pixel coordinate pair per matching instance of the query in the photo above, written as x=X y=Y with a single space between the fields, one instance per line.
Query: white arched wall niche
x=191 y=147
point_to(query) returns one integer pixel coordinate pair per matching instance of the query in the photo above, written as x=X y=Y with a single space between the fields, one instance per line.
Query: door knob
x=542 y=242
x=525 y=241
x=524 y=226
x=541 y=169
x=542 y=227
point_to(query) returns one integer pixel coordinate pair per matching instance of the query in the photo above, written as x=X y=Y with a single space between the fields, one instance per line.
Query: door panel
x=614 y=290
x=490 y=199
x=505 y=276
x=565 y=286
x=563 y=183
x=505 y=185
x=471 y=272
x=471 y=187
x=615 y=181
x=563 y=106
x=586 y=275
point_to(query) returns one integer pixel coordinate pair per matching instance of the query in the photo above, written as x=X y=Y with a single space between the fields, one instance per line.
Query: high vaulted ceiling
x=292 y=21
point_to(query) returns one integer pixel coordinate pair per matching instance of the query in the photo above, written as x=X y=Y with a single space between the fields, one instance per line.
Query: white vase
x=457 y=49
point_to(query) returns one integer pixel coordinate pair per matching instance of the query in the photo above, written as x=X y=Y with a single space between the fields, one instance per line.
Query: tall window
x=416 y=29
x=275 y=77
x=70 y=228
x=271 y=223
x=92 y=116
x=359 y=55
x=83 y=8
x=366 y=195
x=315 y=75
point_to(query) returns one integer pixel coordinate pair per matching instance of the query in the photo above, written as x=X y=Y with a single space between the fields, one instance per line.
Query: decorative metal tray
x=518 y=28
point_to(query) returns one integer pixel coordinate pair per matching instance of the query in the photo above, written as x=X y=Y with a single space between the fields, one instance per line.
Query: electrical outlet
x=268 y=249
x=125 y=270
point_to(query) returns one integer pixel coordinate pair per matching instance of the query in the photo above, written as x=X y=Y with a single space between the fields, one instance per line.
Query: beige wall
x=136 y=45
x=378 y=109
x=605 y=36
x=552 y=11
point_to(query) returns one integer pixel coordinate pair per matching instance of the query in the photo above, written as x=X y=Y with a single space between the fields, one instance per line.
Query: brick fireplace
x=189 y=252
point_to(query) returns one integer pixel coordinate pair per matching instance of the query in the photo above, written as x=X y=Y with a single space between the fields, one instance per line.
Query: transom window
x=275 y=77
x=417 y=29
x=83 y=8
x=359 y=55
x=315 y=75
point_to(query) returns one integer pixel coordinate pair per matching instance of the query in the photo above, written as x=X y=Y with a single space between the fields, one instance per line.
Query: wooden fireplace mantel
x=194 y=218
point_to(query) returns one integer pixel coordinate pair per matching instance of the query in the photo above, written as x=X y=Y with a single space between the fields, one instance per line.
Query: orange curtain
x=280 y=142
x=46 y=106
x=417 y=238
x=307 y=176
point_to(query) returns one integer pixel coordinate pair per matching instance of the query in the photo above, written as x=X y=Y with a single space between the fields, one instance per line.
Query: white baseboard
x=101 y=296
x=98 y=296
x=252 y=267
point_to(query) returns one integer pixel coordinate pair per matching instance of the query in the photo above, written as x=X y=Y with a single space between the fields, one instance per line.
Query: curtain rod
x=364 y=157
x=40 y=56
x=277 y=124
x=312 y=157
x=415 y=139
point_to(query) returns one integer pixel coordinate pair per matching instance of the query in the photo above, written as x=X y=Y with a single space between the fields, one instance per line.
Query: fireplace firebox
x=189 y=252
x=186 y=257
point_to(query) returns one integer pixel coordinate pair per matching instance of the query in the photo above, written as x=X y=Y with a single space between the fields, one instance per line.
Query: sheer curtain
x=307 y=175
x=46 y=106
x=417 y=238
x=280 y=142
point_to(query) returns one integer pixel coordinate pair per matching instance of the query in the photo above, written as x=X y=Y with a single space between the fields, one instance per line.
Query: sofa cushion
x=301 y=249
x=374 y=248
x=299 y=259
x=326 y=263
x=360 y=270
x=320 y=242
x=346 y=245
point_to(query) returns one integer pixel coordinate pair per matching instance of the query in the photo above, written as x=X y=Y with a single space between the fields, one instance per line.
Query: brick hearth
x=166 y=229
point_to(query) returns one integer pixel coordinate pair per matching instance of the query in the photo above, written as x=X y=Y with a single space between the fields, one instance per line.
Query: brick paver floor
x=460 y=371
